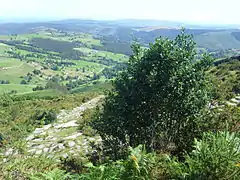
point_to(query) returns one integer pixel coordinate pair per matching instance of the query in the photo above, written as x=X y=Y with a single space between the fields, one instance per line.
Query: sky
x=193 y=11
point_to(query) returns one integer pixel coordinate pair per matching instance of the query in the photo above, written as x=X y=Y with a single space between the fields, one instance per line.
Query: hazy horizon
x=185 y=11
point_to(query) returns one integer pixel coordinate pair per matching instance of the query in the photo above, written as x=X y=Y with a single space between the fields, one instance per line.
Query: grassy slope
x=226 y=79
x=90 y=68
x=11 y=69
x=97 y=53
x=86 y=39
x=3 y=47
x=93 y=87
x=91 y=62
x=5 y=88
x=45 y=94
x=217 y=40
x=6 y=62
x=13 y=73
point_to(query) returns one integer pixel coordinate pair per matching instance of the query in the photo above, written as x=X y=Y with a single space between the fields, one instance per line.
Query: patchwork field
x=68 y=59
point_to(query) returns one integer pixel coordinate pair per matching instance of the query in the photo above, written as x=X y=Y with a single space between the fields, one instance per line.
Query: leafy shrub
x=102 y=172
x=23 y=82
x=6 y=100
x=54 y=68
x=4 y=82
x=156 y=100
x=14 y=112
x=23 y=167
x=221 y=119
x=87 y=117
x=38 y=88
x=55 y=174
x=36 y=71
x=88 y=131
x=74 y=164
x=45 y=117
x=137 y=166
x=214 y=157
x=13 y=92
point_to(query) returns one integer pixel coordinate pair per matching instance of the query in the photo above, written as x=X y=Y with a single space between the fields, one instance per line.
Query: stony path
x=62 y=138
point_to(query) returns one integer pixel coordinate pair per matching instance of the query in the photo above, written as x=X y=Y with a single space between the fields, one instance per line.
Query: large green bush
x=157 y=99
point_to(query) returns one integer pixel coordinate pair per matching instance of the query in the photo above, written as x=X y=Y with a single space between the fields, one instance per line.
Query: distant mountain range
x=212 y=37
x=123 y=22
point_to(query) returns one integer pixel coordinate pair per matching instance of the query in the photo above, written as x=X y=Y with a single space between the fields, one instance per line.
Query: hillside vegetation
x=28 y=62
x=226 y=75
x=83 y=100
x=166 y=115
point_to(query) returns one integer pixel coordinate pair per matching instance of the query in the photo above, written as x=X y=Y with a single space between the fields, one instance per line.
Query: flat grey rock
x=38 y=152
x=67 y=125
x=71 y=143
x=74 y=136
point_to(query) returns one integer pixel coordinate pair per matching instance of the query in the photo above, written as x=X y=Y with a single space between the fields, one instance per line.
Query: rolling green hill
x=218 y=40
x=73 y=52
x=32 y=60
